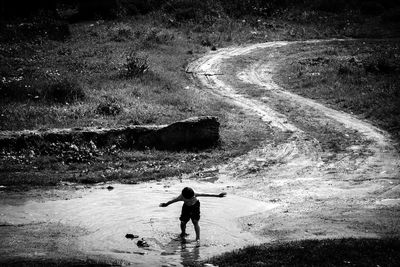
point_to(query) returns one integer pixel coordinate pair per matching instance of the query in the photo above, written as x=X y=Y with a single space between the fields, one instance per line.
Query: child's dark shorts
x=190 y=212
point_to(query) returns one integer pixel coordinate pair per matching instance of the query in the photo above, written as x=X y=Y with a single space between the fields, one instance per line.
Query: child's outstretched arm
x=171 y=202
x=211 y=195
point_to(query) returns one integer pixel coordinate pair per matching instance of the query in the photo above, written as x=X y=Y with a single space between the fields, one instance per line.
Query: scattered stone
x=142 y=243
x=131 y=236
x=206 y=42
x=275 y=200
x=166 y=253
x=138 y=253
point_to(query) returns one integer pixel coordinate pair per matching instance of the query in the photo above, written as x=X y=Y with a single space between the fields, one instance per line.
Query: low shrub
x=136 y=65
x=109 y=108
x=64 y=90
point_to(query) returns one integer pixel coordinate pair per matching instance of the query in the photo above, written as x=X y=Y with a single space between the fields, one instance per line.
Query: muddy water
x=110 y=214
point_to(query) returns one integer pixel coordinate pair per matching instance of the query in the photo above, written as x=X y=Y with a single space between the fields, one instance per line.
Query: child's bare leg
x=196 y=228
x=183 y=229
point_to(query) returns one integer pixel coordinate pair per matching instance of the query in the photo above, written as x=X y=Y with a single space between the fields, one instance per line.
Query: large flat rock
x=193 y=133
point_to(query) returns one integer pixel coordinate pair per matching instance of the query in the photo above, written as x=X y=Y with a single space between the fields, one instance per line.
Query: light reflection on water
x=110 y=215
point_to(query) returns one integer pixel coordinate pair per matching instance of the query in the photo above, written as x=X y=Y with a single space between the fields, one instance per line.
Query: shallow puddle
x=111 y=214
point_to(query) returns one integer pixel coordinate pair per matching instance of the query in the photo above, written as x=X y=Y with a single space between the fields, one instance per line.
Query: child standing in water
x=190 y=209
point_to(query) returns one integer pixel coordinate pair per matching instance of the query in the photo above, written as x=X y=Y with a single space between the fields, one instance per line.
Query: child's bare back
x=190 y=209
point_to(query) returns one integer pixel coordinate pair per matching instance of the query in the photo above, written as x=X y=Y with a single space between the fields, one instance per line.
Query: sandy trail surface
x=350 y=193
x=289 y=188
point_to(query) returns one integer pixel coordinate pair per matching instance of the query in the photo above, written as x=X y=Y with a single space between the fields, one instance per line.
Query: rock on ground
x=193 y=133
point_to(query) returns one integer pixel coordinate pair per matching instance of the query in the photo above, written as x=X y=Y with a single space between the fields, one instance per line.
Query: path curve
x=354 y=193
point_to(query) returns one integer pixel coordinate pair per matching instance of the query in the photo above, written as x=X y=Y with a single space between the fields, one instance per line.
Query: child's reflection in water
x=189 y=252
x=189 y=255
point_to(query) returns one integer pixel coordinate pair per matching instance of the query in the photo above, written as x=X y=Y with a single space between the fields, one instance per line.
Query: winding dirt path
x=351 y=193
x=299 y=189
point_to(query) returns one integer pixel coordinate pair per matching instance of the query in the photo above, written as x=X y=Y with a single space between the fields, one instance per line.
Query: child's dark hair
x=187 y=192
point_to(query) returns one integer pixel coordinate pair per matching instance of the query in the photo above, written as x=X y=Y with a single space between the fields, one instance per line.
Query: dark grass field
x=358 y=76
x=330 y=252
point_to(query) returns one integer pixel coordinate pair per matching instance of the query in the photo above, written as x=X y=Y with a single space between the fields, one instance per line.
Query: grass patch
x=82 y=80
x=43 y=88
x=42 y=27
x=360 y=79
x=330 y=252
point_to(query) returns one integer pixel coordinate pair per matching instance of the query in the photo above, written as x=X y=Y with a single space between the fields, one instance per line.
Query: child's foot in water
x=197 y=243
x=183 y=235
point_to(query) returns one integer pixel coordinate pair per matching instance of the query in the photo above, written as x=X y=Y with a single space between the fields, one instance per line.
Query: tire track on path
x=355 y=192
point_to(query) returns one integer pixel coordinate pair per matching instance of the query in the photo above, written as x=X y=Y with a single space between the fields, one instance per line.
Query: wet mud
x=108 y=215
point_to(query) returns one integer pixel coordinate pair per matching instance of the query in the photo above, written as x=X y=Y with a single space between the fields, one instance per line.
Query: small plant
x=136 y=65
x=109 y=108
x=64 y=91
